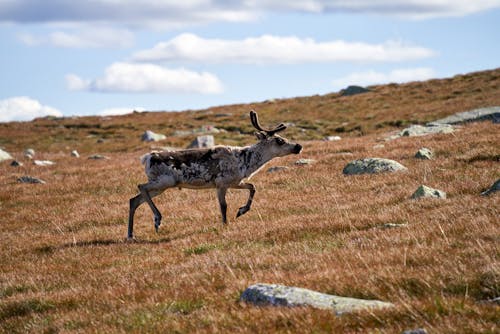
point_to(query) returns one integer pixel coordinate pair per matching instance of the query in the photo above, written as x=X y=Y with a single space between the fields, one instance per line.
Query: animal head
x=276 y=145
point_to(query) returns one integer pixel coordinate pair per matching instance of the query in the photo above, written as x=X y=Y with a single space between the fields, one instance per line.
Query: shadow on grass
x=49 y=249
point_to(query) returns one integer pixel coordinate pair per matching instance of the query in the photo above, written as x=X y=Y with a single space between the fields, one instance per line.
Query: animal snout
x=297 y=148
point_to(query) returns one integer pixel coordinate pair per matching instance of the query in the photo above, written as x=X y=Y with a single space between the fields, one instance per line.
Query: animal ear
x=260 y=135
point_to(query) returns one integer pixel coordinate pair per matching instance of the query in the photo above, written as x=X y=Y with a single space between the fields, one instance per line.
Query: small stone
x=304 y=162
x=75 y=154
x=203 y=141
x=277 y=169
x=30 y=179
x=378 y=146
x=372 y=166
x=494 y=187
x=428 y=192
x=98 y=157
x=29 y=153
x=392 y=225
x=424 y=153
x=100 y=140
x=281 y=295
x=332 y=138
x=151 y=136
x=16 y=163
x=43 y=162
x=4 y=155
x=415 y=331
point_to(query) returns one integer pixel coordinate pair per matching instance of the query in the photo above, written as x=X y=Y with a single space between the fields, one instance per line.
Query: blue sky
x=64 y=58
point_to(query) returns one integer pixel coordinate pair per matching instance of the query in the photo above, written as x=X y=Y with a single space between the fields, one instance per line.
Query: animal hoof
x=241 y=211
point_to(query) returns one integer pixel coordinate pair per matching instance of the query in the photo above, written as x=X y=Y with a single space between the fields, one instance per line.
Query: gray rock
x=280 y=295
x=277 y=169
x=424 y=153
x=4 y=155
x=428 y=192
x=16 y=163
x=332 y=138
x=151 y=136
x=475 y=115
x=43 y=162
x=29 y=153
x=203 y=141
x=372 y=166
x=353 y=90
x=98 y=157
x=30 y=179
x=415 y=331
x=75 y=154
x=494 y=187
x=423 y=130
x=304 y=162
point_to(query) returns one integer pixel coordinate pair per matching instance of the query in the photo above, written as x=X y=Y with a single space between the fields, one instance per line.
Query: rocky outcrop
x=476 y=115
x=372 y=166
x=353 y=90
x=281 y=295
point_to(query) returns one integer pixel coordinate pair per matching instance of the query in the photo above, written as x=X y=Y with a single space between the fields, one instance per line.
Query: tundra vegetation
x=66 y=267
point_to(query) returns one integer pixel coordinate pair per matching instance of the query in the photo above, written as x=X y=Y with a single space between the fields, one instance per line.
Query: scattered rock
x=4 y=155
x=43 y=162
x=475 y=115
x=494 y=187
x=304 y=162
x=29 y=153
x=151 y=136
x=372 y=166
x=277 y=169
x=280 y=295
x=16 y=163
x=415 y=331
x=203 y=141
x=353 y=90
x=424 y=153
x=75 y=154
x=98 y=157
x=428 y=192
x=30 y=179
x=332 y=138
x=392 y=225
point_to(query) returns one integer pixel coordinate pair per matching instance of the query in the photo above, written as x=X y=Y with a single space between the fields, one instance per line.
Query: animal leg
x=221 y=195
x=149 y=190
x=135 y=202
x=244 y=209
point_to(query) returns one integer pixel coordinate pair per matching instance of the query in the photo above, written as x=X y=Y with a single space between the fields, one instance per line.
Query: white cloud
x=119 y=111
x=175 y=14
x=147 y=78
x=394 y=76
x=86 y=38
x=23 y=108
x=275 y=49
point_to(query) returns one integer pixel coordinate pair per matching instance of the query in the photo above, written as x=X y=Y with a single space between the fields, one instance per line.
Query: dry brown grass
x=66 y=268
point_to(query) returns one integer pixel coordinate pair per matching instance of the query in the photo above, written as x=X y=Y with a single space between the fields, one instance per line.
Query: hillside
x=65 y=265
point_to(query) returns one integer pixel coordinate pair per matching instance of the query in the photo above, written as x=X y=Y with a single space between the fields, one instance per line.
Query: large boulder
x=281 y=295
x=428 y=192
x=5 y=156
x=475 y=115
x=151 y=136
x=203 y=141
x=372 y=166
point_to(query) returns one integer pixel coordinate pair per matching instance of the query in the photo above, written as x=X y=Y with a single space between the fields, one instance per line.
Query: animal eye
x=280 y=141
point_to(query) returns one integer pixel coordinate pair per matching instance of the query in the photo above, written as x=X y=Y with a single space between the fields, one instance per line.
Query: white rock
x=4 y=155
x=372 y=166
x=151 y=136
x=424 y=153
x=428 y=192
x=75 y=154
x=203 y=141
x=304 y=162
x=43 y=162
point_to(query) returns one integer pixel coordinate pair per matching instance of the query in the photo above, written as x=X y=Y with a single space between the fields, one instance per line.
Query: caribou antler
x=255 y=122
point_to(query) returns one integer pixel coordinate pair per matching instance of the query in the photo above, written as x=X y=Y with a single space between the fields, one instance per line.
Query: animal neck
x=252 y=158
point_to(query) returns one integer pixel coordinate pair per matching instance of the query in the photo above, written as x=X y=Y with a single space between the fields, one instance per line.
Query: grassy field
x=65 y=265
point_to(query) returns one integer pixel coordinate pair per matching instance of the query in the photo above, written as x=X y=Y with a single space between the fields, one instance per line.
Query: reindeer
x=220 y=167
